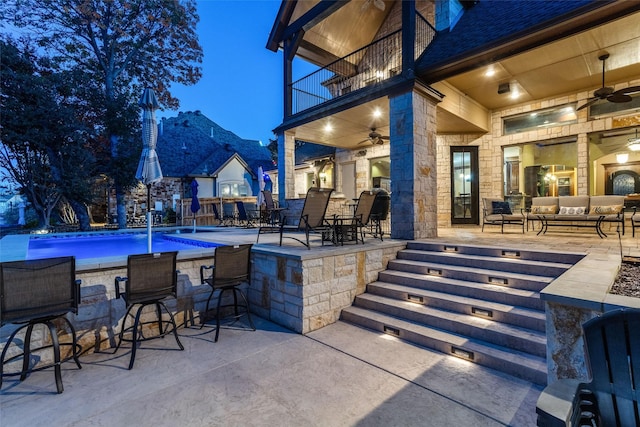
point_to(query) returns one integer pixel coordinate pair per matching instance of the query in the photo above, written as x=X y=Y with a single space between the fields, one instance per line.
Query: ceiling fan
x=375 y=138
x=379 y=4
x=607 y=92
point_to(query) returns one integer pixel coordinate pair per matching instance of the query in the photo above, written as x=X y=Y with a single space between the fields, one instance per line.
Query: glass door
x=464 y=185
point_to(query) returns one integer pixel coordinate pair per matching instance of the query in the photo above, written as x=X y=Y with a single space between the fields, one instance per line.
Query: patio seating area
x=337 y=375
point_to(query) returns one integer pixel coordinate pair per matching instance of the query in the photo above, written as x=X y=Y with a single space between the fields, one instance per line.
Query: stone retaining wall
x=307 y=291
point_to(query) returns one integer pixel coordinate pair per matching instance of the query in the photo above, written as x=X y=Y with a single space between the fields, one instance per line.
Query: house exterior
x=314 y=167
x=462 y=100
x=193 y=147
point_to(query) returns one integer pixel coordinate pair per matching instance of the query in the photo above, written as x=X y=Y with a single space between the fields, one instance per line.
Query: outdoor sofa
x=577 y=211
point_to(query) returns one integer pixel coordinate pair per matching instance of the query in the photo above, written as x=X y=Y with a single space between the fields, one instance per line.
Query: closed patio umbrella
x=261 y=186
x=149 y=167
x=195 y=203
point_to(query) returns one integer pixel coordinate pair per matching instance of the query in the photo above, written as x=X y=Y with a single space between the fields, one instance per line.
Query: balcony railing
x=369 y=65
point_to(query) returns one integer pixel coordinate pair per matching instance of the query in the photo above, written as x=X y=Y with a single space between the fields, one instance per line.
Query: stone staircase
x=479 y=303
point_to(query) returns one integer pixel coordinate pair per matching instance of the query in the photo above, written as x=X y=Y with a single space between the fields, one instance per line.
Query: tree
x=26 y=101
x=45 y=144
x=122 y=45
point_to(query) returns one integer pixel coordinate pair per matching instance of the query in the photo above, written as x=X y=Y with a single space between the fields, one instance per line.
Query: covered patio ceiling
x=563 y=67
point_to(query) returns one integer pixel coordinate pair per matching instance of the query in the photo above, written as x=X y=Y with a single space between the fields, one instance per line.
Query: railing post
x=287 y=61
x=408 y=37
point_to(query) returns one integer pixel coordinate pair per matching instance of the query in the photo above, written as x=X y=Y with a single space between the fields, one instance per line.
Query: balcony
x=367 y=66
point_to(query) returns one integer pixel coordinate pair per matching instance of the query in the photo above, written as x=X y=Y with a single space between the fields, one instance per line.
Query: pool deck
x=340 y=375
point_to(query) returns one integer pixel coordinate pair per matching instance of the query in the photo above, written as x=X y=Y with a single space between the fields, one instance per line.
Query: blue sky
x=241 y=88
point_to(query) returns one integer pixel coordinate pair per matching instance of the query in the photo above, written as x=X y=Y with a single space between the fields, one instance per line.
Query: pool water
x=106 y=245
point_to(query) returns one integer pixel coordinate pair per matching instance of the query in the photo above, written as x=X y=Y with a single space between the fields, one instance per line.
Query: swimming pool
x=107 y=245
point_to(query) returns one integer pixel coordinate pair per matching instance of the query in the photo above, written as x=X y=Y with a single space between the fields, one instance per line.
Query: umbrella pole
x=149 y=249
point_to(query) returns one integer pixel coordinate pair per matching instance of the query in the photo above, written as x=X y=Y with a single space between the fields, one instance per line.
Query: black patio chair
x=229 y=213
x=231 y=269
x=150 y=279
x=312 y=218
x=612 y=352
x=272 y=213
x=216 y=214
x=243 y=216
x=253 y=212
x=36 y=292
x=379 y=212
x=349 y=228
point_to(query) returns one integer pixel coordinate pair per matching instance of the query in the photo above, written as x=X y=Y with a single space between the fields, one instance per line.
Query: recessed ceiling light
x=490 y=72
x=377 y=113
x=328 y=127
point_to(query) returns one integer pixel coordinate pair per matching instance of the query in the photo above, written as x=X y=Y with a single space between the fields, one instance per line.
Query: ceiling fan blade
x=363 y=141
x=627 y=91
x=588 y=103
x=619 y=98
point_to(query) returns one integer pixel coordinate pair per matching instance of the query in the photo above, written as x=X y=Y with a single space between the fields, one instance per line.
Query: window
x=233 y=190
x=543 y=168
x=562 y=115
x=380 y=172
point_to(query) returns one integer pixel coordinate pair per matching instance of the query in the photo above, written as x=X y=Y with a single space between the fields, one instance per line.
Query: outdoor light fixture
x=323 y=176
x=461 y=353
x=391 y=330
x=377 y=113
x=634 y=143
x=415 y=298
x=622 y=157
x=481 y=312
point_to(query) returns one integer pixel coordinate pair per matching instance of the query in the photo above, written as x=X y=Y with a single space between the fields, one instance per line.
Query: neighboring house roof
x=207 y=147
x=307 y=151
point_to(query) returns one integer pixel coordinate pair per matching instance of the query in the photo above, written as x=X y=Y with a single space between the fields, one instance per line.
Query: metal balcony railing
x=369 y=65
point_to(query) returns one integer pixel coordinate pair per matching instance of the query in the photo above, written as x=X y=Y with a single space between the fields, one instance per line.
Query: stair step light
x=462 y=353
x=415 y=298
x=391 y=330
x=482 y=312
x=498 y=280
x=511 y=254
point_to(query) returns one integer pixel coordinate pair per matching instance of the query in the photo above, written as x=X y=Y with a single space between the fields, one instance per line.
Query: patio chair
x=253 y=212
x=150 y=279
x=232 y=268
x=611 y=397
x=312 y=218
x=498 y=212
x=379 y=211
x=229 y=213
x=272 y=213
x=348 y=228
x=36 y=292
x=243 y=216
x=216 y=213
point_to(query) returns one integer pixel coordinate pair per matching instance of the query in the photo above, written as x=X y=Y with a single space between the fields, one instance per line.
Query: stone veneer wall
x=305 y=292
x=578 y=295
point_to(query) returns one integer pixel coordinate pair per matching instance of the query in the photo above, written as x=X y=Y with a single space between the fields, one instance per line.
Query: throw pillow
x=544 y=210
x=572 y=210
x=606 y=210
x=501 y=208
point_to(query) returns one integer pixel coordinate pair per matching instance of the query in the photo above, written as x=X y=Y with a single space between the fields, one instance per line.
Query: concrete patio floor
x=340 y=375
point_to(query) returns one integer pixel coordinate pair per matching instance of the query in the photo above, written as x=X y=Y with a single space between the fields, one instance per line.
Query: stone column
x=286 y=167
x=413 y=163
